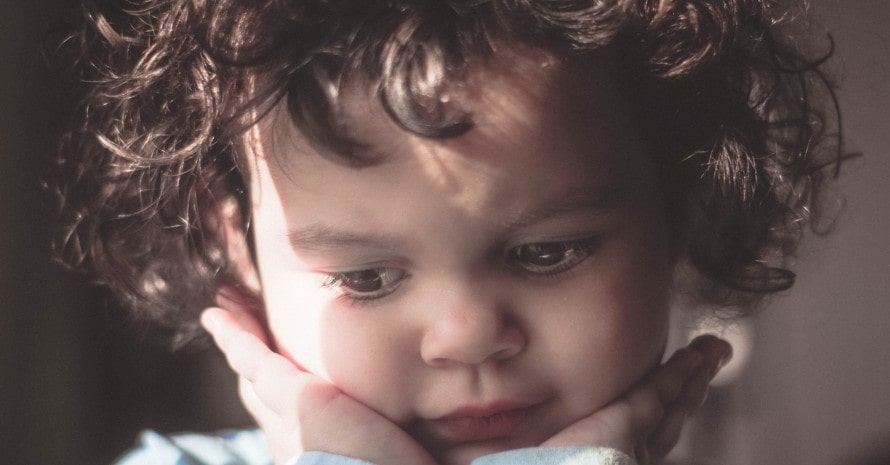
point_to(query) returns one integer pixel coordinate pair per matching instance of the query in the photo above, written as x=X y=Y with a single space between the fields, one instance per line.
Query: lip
x=497 y=420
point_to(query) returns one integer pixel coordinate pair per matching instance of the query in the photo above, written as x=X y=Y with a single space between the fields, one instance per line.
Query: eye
x=549 y=258
x=367 y=284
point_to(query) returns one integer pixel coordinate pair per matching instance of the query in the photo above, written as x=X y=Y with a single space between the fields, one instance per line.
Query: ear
x=240 y=291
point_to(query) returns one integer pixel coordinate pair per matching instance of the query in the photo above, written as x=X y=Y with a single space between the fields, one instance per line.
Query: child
x=443 y=232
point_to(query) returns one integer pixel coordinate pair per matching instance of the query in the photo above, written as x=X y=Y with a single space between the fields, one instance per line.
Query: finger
x=258 y=410
x=683 y=380
x=671 y=377
x=660 y=404
x=244 y=318
x=244 y=350
x=641 y=455
x=646 y=410
x=695 y=392
x=668 y=433
x=712 y=353
x=283 y=434
x=274 y=379
x=644 y=406
x=236 y=337
x=249 y=322
x=716 y=351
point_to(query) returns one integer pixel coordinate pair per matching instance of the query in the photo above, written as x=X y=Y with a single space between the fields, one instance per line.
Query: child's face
x=517 y=275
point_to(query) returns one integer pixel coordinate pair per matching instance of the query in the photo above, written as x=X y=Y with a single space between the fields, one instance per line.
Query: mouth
x=500 y=420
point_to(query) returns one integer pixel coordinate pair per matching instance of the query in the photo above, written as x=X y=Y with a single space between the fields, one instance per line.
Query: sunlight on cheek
x=295 y=318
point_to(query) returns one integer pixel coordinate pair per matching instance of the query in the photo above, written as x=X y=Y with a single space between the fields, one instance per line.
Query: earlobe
x=238 y=252
x=240 y=292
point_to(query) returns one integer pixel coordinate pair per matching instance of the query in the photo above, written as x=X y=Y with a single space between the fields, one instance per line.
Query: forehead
x=543 y=128
x=516 y=93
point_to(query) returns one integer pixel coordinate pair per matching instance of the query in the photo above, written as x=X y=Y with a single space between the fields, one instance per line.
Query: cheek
x=614 y=353
x=607 y=342
x=351 y=347
x=295 y=321
x=356 y=353
x=364 y=358
x=608 y=330
x=299 y=309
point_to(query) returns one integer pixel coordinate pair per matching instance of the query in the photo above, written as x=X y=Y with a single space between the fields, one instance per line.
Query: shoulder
x=557 y=456
x=236 y=447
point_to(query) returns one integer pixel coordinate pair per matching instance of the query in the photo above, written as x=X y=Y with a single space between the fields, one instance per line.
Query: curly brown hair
x=738 y=114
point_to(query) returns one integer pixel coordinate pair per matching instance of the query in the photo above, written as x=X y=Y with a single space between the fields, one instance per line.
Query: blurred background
x=78 y=380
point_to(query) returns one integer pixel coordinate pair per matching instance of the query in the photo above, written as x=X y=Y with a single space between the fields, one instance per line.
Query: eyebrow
x=576 y=200
x=320 y=238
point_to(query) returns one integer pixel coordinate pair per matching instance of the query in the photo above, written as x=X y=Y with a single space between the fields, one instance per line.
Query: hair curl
x=736 y=111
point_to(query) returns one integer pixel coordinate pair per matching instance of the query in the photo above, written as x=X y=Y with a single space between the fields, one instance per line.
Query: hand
x=646 y=422
x=298 y=411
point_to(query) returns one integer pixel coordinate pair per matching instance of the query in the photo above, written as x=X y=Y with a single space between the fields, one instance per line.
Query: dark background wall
x=77 y=381
x=819 y=384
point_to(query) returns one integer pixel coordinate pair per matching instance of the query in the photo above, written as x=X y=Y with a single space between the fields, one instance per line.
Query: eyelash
x=572 y=253
x=389 y=279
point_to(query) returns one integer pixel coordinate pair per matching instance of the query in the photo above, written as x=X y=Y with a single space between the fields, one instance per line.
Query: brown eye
x=367 y=284
x=549 y=258
x=362 y=281
x=544 y=254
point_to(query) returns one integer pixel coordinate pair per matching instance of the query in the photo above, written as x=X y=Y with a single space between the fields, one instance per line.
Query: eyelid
x=354 y=264
x=555 y=239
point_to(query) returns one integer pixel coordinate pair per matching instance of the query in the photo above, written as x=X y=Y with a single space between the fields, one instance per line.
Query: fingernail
x=210 y=320
x=725 y=358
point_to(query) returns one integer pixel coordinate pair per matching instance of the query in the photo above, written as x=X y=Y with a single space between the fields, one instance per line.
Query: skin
x=521 y=267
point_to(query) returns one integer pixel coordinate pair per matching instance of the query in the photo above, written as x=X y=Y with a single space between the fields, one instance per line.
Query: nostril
x=446 y=346
x=512 y=342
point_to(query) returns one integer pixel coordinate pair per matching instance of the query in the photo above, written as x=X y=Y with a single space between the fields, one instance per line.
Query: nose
x=470 y=330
